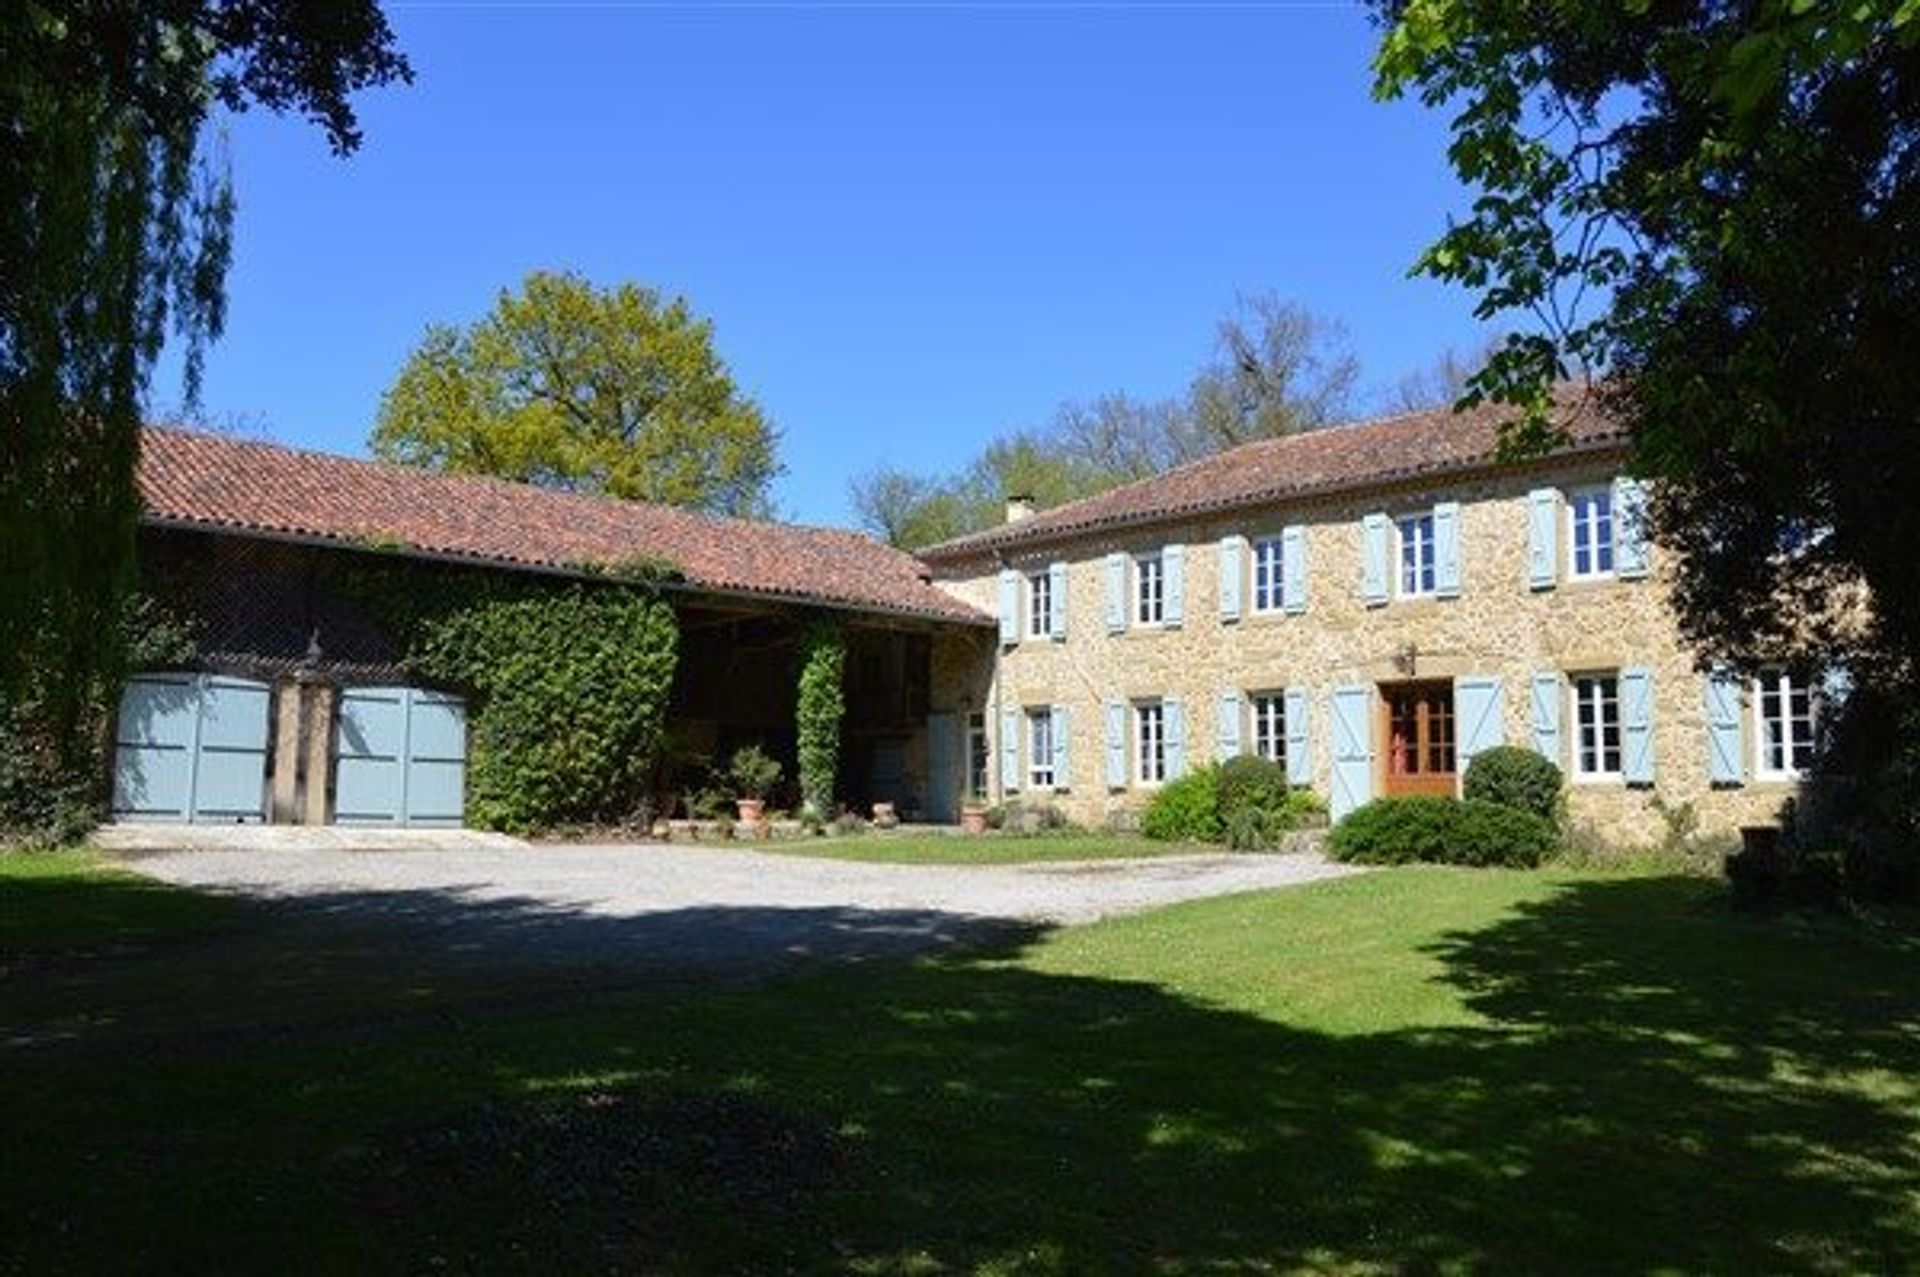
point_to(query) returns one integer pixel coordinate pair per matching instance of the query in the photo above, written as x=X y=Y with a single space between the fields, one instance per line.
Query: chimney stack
x=1019 y=508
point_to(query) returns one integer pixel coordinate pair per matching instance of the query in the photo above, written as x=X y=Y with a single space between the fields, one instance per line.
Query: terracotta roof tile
x=214 y=482
x=1338 y=459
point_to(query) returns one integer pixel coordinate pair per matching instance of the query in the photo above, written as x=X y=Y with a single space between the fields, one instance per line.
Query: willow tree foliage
x=615 y=390
x=115 y=231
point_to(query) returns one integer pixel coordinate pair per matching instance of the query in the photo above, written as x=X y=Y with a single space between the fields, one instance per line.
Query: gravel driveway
x=679 y=908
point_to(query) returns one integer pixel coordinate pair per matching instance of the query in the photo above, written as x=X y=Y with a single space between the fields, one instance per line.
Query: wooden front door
x=1419 y=731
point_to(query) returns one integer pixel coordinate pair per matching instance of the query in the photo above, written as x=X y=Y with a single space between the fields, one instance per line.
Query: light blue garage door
x=400 y=757
x=191 y=747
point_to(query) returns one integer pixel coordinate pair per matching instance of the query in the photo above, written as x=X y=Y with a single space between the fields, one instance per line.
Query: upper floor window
x=1270 y=727
x=1150 y=742
x=1150 y=590
x=1040 y=749
x=1784 y=708
x=1596 y=716
x=1418 y=572
x=1039 y=604
x=1590 y=533
x=1267 y=587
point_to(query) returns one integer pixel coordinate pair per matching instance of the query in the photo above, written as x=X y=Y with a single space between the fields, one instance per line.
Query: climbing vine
x=821 y=706
x=570 y=682
x=571 y=688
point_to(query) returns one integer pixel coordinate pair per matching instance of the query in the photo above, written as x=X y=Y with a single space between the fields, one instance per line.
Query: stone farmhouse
x=1369 y=606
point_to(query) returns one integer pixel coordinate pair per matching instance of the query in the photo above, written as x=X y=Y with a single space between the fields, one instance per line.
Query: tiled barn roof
x=1339 y=459
x=217 y=483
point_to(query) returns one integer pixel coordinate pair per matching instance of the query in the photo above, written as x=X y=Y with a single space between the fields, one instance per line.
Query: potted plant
x=754 y=774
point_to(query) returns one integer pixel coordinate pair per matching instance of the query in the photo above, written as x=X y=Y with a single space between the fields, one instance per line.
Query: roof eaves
x=961 y=613
x=1017 y=537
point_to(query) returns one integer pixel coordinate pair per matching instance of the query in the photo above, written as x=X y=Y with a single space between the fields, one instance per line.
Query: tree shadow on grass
x=1661 y=1087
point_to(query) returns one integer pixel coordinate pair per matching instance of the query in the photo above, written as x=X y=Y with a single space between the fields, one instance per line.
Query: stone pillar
x=316 y=749
x=284 y=785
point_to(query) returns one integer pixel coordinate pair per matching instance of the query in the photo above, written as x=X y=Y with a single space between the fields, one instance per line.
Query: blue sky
x=914 y=226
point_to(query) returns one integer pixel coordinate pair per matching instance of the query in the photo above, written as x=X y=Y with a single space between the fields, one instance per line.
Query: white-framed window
x=1150 y=589
x=1270 y=726
x=1039 y=603
x=1783 y=711
x=1040 y=749
x=977 y=756
x=1590 y=533
x=1418 y=577
x=1596 y=727
x=1268 y=561
x=1149 y=742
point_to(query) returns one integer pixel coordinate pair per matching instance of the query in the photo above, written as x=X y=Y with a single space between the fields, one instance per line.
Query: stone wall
x=1498 y=626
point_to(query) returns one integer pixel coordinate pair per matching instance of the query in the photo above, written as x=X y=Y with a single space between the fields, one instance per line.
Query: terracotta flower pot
x=752 y=810
x=973 y=819
x=884 y=815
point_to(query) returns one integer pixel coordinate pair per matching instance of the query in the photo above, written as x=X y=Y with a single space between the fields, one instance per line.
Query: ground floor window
x=1596 y=716
x=1270 y=727
x=1150 y=742
x=1040 y=749
x=1784 y=706
x=977 y=756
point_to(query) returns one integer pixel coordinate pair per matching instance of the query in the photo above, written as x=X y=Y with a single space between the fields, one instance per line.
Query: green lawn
x=1422 y=1071
x=988 y=849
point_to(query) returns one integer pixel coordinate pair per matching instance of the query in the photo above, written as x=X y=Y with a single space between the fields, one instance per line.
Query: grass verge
x=985 y=849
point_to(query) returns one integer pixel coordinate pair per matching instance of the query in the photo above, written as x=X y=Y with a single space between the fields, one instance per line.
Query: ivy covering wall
x=821 y=707
x=570 y=691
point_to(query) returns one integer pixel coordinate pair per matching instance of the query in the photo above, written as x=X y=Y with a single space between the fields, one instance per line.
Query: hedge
x=1447 y=831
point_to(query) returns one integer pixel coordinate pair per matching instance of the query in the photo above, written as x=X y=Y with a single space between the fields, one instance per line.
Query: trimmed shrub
x=1517 y=778
x=1186 y=809
x=1249 y=783
x=1444 y=831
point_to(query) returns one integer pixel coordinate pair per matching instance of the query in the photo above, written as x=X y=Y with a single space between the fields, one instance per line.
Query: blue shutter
x=945 y=779
x=1549 y=696
x=1352 y=749
x=1630 y=556
x=1233 y=571
x=1173 y=562
x=1175 y=719
x=1374 y=550
x=1299 y=738
x=1543 y=538
x=1636 y=725
x=1293 y=569
x=1446 y=549
x=1009 y=750
x=1057 y=600
x=1116 y=593
x=1062 y=730
x=1480 y=717
x=1836 y=685
x=1009 y=607
x=1726 y=759
x=1228 y=735
x=1116 y=745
